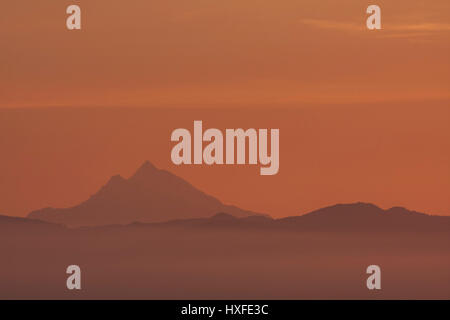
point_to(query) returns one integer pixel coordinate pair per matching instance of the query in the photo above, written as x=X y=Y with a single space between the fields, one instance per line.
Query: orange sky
x=363 y=114
x=206 y=52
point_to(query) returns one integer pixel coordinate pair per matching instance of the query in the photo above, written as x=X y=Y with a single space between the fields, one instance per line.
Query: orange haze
x=363 y=115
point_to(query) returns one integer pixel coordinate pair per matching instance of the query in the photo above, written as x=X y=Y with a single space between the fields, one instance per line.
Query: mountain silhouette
x=353 y=217
x=365 y=217
x=228 y=257
x=160 y=198
x=17 y=227
x=150 y=195
x=247 y=256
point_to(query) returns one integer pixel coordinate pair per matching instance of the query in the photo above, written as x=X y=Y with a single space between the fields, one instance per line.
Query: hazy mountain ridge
x=354 y=217
x=17 y=227
x=150 y=195
x=158 y=198
x=228 y=257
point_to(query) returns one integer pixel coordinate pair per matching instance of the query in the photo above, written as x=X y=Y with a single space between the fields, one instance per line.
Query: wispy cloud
x=334 y=25
x=398 y=30
x=422 y=27
x=399 y=35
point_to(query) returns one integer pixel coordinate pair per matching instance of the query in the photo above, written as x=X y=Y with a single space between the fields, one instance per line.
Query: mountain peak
x=116 y=177
x=348 y=210
x=146 y=168
x=403 y=211
x=150 y=195
x=358 y=205
x=113 y=182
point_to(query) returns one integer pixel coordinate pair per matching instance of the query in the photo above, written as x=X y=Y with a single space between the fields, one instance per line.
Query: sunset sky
x=363 y=115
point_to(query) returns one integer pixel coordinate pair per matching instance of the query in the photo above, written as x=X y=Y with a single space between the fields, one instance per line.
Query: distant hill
x=150 y=195
x=228 y=257
x=354 y=217
x=366 y=217
x=160 y=198
x=18 y=226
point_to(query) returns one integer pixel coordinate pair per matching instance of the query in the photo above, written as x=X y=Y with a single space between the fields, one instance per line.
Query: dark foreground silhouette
x=323 y=254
